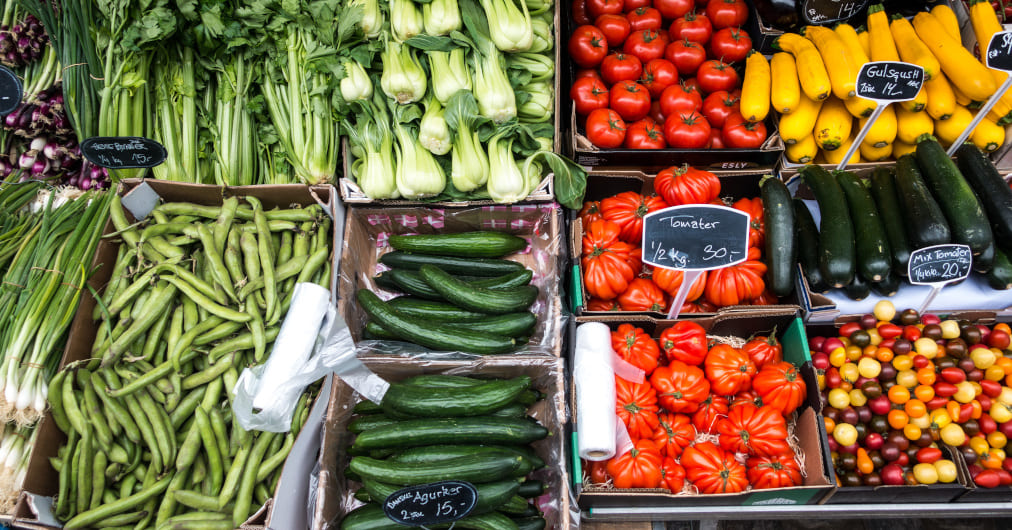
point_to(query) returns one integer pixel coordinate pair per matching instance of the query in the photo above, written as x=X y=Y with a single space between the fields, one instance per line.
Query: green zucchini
x=882 y=185
x=991 y=189
x=530 y=523
x=410 y=282
x=454 y=402
x=364 y=423
x=437 y=336
x=509 y=325
x=964 y=212
x=412 y=307
x=491 y=495
x=1000 y=275
x=472 y=298
x=874 y=258
x=985 y=260
x=925 y=222
x=887 y=286
x=808 y=247
x=453 y=265
x=370 y=517
x=532 y=488
x=781 y=244
x=436 y=453
x=412 y=433
x=488 y=467
x=858 y=288
x=836 y=230
x=479 y=244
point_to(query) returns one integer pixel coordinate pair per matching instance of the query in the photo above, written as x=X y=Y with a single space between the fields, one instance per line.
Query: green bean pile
x=197 y=293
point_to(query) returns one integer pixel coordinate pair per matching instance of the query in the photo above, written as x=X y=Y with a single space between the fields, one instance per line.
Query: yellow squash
x=919 y=102
x=947 y=17
x=856 y=105
x=911 y=49
x=841 y=63
x=785 y=90
x=948 y=130
x=903 y=148
x=882 y=131
x=988 y=135
x=836 y=156
x=755 y=89
x=985 y=23
x=864 y=41
x=959 y=65
x=833 y=125
x=859 y=107
x=880 y=38
x=941 y=99
x=811 y=71
x=961 y=98
x=797 y=125
x=875 y=154
x=910 y=125
x=803 y=151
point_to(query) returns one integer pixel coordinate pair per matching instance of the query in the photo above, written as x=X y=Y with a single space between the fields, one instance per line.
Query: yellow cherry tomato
x=884 y=310
x=869 y=367
x=849 y=372
x=946 y=470
x=952 y=434
x=837 y=357
x=838 y=398
x=845 y=434
x=857 y=397
x=997 y=439
x=983 y=358
x=927 y=347
x=950 y=329
x=926 y=473
x=903 y=362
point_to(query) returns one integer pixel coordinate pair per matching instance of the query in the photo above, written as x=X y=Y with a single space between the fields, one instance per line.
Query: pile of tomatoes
x=709 y=417
x=615 y=276
x=660 y=73
x=897 y=393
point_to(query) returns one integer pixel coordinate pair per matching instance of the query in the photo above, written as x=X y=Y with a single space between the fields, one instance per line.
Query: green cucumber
x=472 y=298
x=367 y=407
x=781 y=243
x=491 y=495
x=1000 y=275
x=808 y=247
x=964 y=212
x=371 y=421
x=479 y=244
x=991 y=189
x=515 y=506
x=530 y=523
x=887 y=286
x=454 y=402
x=442 y=381
x=410 y=282
x=488 y=467
x=925 y=221
x=513 y=410
x=385 y=280
x=412 y=307
x=858 y=288
x=369 y=517
x=412 y=433
x=532 y=488
x=362 y=495
x=874 y=258
x=509 y=325
x=485 y=521
x=453 y=265
x=836 y=230
x=437 y=336
x=435 y=453
x=882 y=185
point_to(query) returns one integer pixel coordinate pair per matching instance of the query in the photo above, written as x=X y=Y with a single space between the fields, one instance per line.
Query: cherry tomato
x=739 y=133
x=693 y=26
x=987 y=478
x=605 y=128
x=588 y=94
x=645 y=134
x=658 y=75
x=630 y=100
x=687 y=130
x=647 y=44
x=616 y=28
x=672 y=9
x=718 y=106
x=588 y=46
x=716 y=139
x=727 y=13
x=680 y=98
x=716 y=75
x=580 y=15
x=686 y=55
x=730 y=45
x=644 y=18
x=620 y=67
x=596 y=8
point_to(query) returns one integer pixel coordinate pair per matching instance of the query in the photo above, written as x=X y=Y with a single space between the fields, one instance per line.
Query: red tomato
x=687 y=130
x=647 y=44
x=672 y=9
x=588 y=94
x=655 y=111
x=693 y=83
x=715 y=75
x=679 y=98
x=645 y=134
x=633 y=5
x=596 y=8
x=644 y=18
x=718 y=106
x=592 y=73
x=693 y=26
x=686 y=55
x=742 y=134
x=616 y=28
x=730 y=45
x=580 y=15
x=605 y=128
x=588 y=46
x=658 y=75
x=620 y=67
x=727 y=13
x=630 y=100
x=716 y=139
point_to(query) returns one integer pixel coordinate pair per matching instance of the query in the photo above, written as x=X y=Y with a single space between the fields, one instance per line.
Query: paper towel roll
x=595 y=391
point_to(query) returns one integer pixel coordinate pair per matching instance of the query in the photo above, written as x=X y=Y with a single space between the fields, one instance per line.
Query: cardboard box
x=809 y=427
x=606 y=183
x=34 y=505
x=367 y=228
x=334 y=494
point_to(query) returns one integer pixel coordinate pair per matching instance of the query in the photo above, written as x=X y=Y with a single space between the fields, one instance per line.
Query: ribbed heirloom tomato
x=672 y=475
x=711 y=410
x=636 y=406
x=685 y=341
x=686 y=185
x=680 y=387
x=642 y=295
x=605 y=262
x=674 y=433
x=670 y=281
x=627 y=209
x=756 y=220
x=759 y=431
x=713 y=470
x=728 y=369
x=737 y=284
x=764 y=350
x=777 y=471
x=639 y=468
x=636 y=347
x=780 y=386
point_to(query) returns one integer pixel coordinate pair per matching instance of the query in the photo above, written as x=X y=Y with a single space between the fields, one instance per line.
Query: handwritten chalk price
x=695 y=237
x=824 y=12
x=939 y=264
x=999 y=51
x=888 y=81
x=10 y=91
x=435 y=503
x=123 y=152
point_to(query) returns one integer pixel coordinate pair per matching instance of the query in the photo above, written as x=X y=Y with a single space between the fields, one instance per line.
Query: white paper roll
x=595 y=391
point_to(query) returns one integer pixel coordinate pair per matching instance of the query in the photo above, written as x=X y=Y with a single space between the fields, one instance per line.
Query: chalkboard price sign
x=999 y=51
x=10 y=91
x=695 y=237
x=887 y=81
x=438 y=502
x=823 y=12
x=123 y=152
x=939 y=264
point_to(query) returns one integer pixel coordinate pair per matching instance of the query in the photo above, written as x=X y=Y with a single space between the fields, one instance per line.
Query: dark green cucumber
x=362 y=495
x=370 y=517
x=412 y=307
x=442 y=381
x=858 y=288
x=925 y=221
x=367 y=407
x=385 y=280
x=532 y=511
x=485 y=521
x=530 y=523
x=887 y=286
x=836 y=230
x=515 y=506
x=463 y=294
x=410 y=282
x=435 y=453
x=454 y=402
x=453 y=265
x=781 y=243
x=882 y=185
x=964 y=212
x=513 y=410
x=531 y=489
x=991 y=189
x=509 y=325
x=1000 y=275
x=488 y=467
x=371 y=421
x=437 y=336
x=491 y=495
x=479 y=244
x=874 y=258
x=412 y=433
x=808 y=247
x=374 y=331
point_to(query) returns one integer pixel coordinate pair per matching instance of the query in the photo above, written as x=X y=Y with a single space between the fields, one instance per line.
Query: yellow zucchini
x=880 y=38
x=959 y=65
x=811 y=71
x=833 y=125
x=941 y=99
x=984 y=21
x=859 y=107
x=802 y=151
x=836 y=156
x=947 y=18
x=910 y=125
x=883 y=130
x=911 y=49
x=755 y=89
x=841 y=64
x=948 y=130
x=988 y=135
x=961 y=98
x=903 y=148
x=919 y=102
x=865 y=41
x=800 y=123
x=785 y=90
x=852 y=40
x=870 y=153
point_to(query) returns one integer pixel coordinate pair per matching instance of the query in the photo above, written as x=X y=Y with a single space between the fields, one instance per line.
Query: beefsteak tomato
x=636 y=406
x=618 y=67
x=685 y=341
x=637 y=348
x=674 y=433
x=647 y=44
x=714 y=75
x=672 y=475
x=758 y=431
x=711 y=410
x=639 y=468
x=643 y=18
x=598 y=304
x=693 y=26
x=605 y=261
x=777 y=471
x=679 y=97
x=680 y=387
x=672 y=9
x=764 y=350
x=590 y=212
x=736 y=284
x=630 y=100
x=643 y=295
x=728 y=369
x=627 y=210
x=686 y=185
x=718 y=106
x=781 y=386
x=670 y=281
x=713 y=470
x=686 y=55
x=616 y=28
x=727 y=13
x=730 y=45
x=658 y=75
